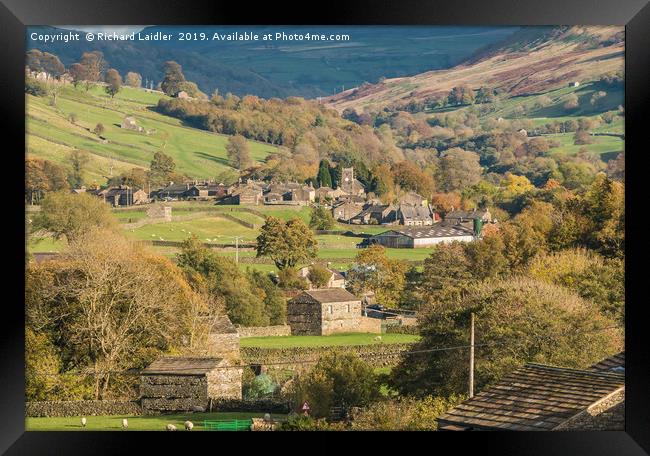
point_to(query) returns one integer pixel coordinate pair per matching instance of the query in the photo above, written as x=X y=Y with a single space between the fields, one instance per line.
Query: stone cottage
x=328 y=311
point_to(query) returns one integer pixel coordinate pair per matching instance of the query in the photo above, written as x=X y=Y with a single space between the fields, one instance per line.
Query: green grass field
x=51 y=135
x=136 y=423
x=335 y=340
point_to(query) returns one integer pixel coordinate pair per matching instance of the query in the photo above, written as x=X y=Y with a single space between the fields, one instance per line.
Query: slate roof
x=432 y=231
x=223 y=325
x=410 y=212
x=326 y=295
x=534 y=397
x=180 y=365
x=614 y=363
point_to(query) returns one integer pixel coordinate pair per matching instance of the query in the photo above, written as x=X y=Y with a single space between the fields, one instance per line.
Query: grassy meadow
x=136 y=423
x=334 y=340
x=52 y=135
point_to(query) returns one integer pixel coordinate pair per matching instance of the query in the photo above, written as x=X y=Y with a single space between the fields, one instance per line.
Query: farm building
x=328 y=311
x=323 y=193
x=376 y=214
x=413 y=199
x=177 y=384
x=409 y=215
x=336 y=280
x=121 y=196
x=545 y=398
x=304 y=193
x=129 y=123
x=345 y=211
x=467 y=216
x=416 y=237
x=158 y=211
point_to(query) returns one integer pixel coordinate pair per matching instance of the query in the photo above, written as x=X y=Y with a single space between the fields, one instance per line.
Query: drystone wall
x=81 y=408
x=264 y=331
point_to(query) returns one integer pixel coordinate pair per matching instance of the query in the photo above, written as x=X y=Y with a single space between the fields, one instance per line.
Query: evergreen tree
x=324 y=177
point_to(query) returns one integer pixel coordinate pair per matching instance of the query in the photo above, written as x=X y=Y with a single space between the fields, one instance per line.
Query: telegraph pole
x=237 y=249
x=471 y=356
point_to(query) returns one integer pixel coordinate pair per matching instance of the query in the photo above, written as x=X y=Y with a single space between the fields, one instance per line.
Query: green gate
x=227 y=425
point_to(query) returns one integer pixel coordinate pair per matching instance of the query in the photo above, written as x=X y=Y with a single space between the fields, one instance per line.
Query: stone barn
x=160 y=211
x=327 y=311
x=129 y=123
x=178 y=383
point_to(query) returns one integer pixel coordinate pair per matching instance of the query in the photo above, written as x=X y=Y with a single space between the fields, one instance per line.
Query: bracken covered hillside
x=533 y=60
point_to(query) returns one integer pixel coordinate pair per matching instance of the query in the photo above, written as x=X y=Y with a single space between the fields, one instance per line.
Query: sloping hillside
x=533 y=60
x=54 y=131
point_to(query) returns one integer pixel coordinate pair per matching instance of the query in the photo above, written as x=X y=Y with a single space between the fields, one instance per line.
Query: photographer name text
x=67 y=37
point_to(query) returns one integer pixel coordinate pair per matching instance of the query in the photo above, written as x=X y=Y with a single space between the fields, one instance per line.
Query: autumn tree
x=410 y=177
x=221 y=278
x=459 y=169
x=70 y=215
x=173 y=77
x=94 y=65
x=113 y=82
x=78 y=73
x=518 y=320
x=161 y=168
x=239 y=154
x=41 y=177
x=286 y=243
x=319 y=275
x=461 y=95
x=109 y=305
x=374 y=271
x=133 y=79
x=337 y=380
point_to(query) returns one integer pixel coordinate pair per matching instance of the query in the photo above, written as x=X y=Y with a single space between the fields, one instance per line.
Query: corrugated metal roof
x=177 y=365
x=431 y=231
x=534 y=397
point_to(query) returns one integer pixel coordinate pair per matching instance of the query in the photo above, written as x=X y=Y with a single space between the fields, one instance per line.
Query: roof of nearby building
x=181 y=365
x=614 y=363
x=534 y=397
x=467 y=214
x=431 y=231
x=325 y=295
x=223 y=325
x=410 y=212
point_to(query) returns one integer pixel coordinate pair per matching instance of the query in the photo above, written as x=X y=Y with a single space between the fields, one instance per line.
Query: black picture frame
x=633 y=14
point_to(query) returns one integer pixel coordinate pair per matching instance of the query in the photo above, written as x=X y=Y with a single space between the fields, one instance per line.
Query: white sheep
x=83 y=421
x=189 y=425
x=171 y=427
x=378 y=338
x=125 y=423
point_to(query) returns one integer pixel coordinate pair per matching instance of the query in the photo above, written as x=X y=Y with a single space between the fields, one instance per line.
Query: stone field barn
x=177 y=384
